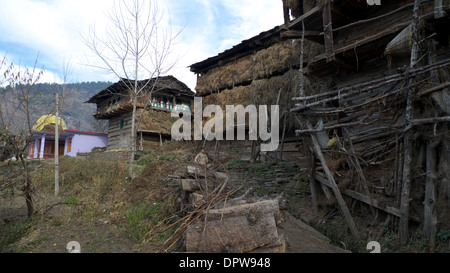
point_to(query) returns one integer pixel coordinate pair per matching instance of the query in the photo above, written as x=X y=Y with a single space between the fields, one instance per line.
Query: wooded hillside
x=77 y=114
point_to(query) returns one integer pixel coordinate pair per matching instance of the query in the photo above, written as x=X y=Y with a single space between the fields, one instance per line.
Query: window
x=121 y=124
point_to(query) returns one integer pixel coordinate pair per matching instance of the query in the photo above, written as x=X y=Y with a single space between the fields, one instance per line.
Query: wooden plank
x=201 y=172
x=295 y=34
x=367 y=200
x=311 y=13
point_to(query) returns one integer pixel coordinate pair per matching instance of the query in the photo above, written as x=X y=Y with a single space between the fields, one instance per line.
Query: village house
x=153 y=115
x=70 y=142
x=364 y=94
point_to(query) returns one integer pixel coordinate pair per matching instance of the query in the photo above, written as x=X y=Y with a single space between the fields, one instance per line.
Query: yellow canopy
x=48 y=120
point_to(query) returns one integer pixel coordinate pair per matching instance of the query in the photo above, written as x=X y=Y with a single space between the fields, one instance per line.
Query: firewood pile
x=216 y=221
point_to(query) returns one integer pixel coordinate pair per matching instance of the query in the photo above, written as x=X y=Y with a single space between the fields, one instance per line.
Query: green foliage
x=443 y=235
x=149 y=156
x=72 y=200
x=13 y=233
x=169 y=157
x=143 y=219
x=146 y=157
x=234 y=162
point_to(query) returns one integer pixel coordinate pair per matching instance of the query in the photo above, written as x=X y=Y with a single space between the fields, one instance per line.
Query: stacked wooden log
x=214 y=220
x=235 y=225
x=236 y=229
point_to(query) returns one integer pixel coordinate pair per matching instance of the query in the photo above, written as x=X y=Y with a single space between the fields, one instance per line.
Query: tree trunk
x=28 y=187
x=132 y=140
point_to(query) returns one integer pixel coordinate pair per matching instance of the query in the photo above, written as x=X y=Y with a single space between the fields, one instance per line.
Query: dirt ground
x=103 y=231
x=102 y=236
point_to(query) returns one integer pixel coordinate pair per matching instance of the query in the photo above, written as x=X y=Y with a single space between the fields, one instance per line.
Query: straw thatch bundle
x=273 y=60
x=266 y=92
x=223 y=76
x=155 y=120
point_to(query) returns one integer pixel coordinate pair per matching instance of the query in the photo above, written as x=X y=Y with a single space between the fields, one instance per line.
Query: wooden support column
x=408 y=147
x=312 y=174
x=328 y=31
x=430 y=219
x=334 y=187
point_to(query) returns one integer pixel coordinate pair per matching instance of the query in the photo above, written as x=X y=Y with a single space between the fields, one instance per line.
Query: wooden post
x=406 y=183
x=286 y=17
x=57 y=146
x=334 y=187
x=328 y=31
x=312 y=178
x=430 y=220
x=301 y=84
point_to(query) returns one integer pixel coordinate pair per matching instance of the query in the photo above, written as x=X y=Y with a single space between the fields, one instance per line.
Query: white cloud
x=54 y=29
x=253 y=16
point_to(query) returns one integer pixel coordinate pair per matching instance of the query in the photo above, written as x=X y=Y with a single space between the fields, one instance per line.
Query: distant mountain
x=77 y=114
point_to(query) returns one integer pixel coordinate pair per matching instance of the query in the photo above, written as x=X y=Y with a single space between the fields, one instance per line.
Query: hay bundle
x=240 y=95
x=236 y=96
x=265 y=92
x=273 y=60
x=223 y=76
x=155 y=120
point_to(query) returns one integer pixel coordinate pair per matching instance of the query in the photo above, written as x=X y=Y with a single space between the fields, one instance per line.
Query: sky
x=51 y=31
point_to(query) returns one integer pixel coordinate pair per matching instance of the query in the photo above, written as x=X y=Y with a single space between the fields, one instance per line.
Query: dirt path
x=302 y=238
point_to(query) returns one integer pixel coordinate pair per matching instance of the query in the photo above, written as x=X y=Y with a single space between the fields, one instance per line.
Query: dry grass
x=274 y=60
x=156 y=121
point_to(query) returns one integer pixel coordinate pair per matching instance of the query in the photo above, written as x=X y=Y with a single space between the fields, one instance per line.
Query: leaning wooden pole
x=334 y=187
x=406 y=183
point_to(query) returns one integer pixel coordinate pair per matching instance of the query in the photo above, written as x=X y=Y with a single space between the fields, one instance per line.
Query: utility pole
x=57 y=146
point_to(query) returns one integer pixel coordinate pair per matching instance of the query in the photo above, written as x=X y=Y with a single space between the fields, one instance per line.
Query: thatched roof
x=168 y=85
x=246 y=47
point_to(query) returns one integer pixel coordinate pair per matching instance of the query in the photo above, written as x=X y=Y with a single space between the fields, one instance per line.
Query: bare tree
x=18 y=98
x=138 y=46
